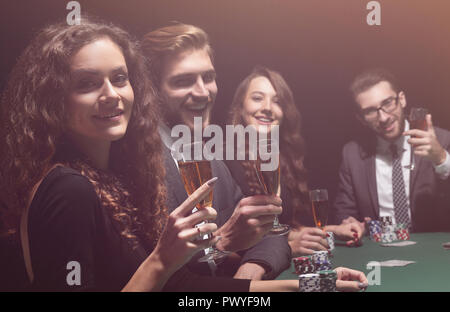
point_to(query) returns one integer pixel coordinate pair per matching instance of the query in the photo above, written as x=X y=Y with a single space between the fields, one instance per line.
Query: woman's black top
x=72 y=236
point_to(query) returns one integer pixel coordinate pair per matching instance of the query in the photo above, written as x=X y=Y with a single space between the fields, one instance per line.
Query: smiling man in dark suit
x=374 y=180
x=181 y=67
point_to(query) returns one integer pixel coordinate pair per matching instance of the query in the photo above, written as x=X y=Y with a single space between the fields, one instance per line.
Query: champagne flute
x=195 y=170
x=320 y=207
x=417 y=120
x=267 y=169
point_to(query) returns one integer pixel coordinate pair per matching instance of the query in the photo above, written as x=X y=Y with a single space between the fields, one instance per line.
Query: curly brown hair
x=292 y=145
x=33 y=127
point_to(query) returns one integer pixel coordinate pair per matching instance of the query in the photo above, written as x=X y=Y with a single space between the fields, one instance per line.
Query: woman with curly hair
x=263 y=99
x=81 y=168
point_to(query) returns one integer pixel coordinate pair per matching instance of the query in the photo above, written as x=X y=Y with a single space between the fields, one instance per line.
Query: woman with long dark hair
x=264 y=99
x=81 y=167
x=81 y=175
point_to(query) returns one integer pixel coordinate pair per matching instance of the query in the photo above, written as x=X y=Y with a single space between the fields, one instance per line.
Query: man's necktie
x=398 y=190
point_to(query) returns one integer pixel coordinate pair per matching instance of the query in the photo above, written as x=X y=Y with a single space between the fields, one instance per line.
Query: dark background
x=317 y=45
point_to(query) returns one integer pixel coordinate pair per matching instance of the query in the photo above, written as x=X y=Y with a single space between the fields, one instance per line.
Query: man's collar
x=371 y=144
x=164 y=132
x=383 y=146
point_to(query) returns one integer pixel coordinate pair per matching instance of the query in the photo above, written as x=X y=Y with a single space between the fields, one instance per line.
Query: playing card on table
x=390 y=263
x=398 y=244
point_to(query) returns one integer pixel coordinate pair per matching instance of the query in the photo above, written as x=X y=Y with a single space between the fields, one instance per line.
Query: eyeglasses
x=387 y=106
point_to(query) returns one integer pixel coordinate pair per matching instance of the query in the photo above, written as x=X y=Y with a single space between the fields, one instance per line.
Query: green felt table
x=431 y=272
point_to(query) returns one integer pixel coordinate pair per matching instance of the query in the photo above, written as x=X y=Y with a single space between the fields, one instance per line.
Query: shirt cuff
x=443 y=170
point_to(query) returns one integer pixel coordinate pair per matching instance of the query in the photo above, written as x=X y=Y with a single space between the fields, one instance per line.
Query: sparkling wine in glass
x=195 y=170
x=268 y=173
x=320 y=207
x=194 y=174
x=417 y=120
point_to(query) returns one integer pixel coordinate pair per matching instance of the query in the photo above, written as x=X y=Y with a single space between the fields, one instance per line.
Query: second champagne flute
x=267 y=167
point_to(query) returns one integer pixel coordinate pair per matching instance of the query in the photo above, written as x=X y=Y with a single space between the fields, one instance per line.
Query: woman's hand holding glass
x=182 y=236
x=307 y=240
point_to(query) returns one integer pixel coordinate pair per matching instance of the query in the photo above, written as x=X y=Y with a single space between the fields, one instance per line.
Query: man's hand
x=425 y=143
x=307 y=240
x=251 y=220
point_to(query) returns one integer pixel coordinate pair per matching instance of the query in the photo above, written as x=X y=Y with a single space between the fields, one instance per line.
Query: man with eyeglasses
x=374 y=180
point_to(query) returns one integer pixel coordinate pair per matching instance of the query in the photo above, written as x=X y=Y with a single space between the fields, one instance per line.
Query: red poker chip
x=402 y=234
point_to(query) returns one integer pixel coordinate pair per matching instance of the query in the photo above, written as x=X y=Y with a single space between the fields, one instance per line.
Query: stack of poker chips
x=375 y=230
x=322 y=281
x=303 y=265
x=327 y=280
x=321 y=260
x=387 y=230
x=330 y=240
x=309 y=282
x=401 y=230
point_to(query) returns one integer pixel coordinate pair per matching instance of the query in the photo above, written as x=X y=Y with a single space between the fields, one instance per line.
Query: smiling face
x=261 y=107
x=188 y=87
x=388 y=126
x=101 y=97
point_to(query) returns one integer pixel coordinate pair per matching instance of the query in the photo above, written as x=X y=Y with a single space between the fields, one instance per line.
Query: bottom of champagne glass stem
x=280 y=229
x=214 y=255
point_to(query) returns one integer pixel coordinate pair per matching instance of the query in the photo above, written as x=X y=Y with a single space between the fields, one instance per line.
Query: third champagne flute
x=320 y=208
x=417 y=120
x=267 y=167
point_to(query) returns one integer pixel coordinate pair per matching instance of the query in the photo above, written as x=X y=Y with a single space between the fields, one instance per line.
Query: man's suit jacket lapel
x=226 y=193
x=176 y=193
x=216 y=172
x=416 y=173
x=413 y=178
x=368 y=157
